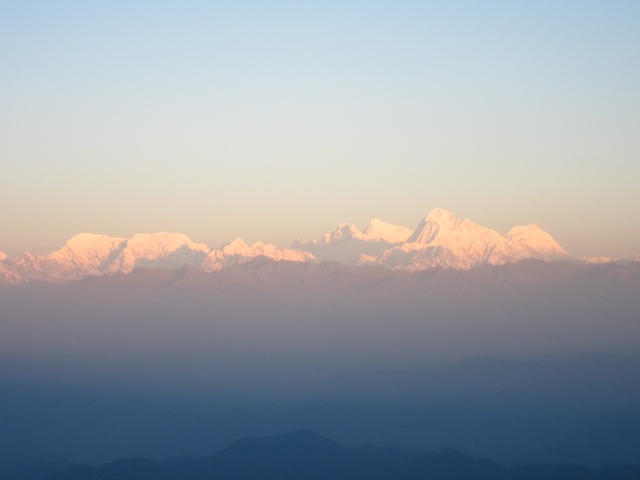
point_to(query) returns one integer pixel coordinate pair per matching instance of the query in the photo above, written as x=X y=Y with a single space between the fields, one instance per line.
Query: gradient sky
x=277 y=120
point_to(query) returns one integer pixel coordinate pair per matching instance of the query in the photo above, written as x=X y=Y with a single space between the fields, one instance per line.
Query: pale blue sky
x=273 y=120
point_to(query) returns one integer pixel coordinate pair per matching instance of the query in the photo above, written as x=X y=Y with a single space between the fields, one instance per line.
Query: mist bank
x=98 y=424
x=327 y=314
x=523 y=362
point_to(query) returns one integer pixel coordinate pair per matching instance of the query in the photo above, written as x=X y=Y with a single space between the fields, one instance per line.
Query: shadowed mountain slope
x=305 y=455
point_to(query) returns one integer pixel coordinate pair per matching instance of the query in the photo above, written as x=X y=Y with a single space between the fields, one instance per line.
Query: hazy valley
x=524 y=362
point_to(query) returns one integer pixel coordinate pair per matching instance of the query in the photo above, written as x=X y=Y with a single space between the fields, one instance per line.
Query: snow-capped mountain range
x=440 y=240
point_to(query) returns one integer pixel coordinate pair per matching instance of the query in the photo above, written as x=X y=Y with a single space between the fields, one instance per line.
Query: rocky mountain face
x=439 y=240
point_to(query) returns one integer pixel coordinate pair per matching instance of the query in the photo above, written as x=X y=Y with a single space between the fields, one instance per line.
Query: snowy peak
x=535 y=240
x=237 y=247
x=92 y=242
x=87 y=251
x=440 y=215
x=379 y=230
x=87 y=248
x=347 y=244
x=276 y=254
x=82 y=255
x=157 y=250
x=89 y=254
x=440 y=240
x=157 y=245
x=344 y=230
x=425 y=232
x=440 y=221
x=238 y=252
x=524 y=230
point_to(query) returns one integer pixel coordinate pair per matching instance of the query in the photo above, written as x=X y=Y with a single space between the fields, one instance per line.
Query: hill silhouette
x=303 y=454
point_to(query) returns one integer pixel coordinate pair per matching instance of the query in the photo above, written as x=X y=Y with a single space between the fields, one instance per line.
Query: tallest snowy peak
x=440 y=215
x=436 y=223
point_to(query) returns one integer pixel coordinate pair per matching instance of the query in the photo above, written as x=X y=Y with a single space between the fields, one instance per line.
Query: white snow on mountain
x=88 y=254
x=238 y=251
x=379 y=230
x=275 y=253
x=440 y=240
x=157 y=250
x=237 y=248
x=215 y=260
x=8 y=276
x=537 y=242
x=347 y=244
x=84 y=254
x=598 y=260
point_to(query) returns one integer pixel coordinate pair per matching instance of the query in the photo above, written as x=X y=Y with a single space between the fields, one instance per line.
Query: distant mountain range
x=440 y=240
x=305 y=455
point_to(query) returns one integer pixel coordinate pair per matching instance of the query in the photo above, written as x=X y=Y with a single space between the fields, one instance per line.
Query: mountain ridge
x=439 y=240
x=303 y=454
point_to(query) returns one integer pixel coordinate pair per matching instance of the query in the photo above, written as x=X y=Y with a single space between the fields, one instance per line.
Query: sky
x=278 y=120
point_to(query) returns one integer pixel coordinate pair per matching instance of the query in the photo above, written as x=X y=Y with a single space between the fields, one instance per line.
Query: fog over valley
x=510 y=361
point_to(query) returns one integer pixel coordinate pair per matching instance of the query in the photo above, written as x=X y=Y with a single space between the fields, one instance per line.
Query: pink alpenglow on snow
x=439 y=240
